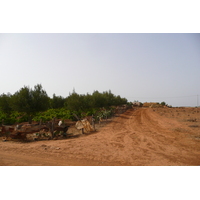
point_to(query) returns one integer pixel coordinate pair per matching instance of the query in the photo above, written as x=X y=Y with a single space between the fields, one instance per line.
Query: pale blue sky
x=144 y=67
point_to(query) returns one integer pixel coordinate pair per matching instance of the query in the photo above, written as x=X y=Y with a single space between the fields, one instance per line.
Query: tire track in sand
x=155 y=137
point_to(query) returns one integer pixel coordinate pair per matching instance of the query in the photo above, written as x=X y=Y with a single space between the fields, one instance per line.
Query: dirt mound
x=137 y=137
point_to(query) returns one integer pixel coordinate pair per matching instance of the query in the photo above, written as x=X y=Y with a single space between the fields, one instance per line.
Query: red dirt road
x=139 y=137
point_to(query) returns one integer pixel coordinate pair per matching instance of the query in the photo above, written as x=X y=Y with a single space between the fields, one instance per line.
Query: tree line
x=27 y=103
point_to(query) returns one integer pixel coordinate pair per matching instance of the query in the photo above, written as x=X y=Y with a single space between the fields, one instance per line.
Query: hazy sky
x=143 y=67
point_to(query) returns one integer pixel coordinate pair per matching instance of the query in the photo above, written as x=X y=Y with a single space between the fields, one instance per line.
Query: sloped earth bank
x=139 y=137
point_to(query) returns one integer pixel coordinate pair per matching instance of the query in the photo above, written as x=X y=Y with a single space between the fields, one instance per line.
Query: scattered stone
x=57 y=148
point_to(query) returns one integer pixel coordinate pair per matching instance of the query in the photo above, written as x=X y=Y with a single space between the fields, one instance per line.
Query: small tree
x=74 y=102
x=163 y=103
x=30 y=101
x=57 y=101
x=5 y=103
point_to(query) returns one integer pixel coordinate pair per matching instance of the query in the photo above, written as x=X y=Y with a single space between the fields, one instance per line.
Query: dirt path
x=138 y=137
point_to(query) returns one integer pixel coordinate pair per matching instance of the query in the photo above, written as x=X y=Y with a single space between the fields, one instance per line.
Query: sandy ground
x=139 y=137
